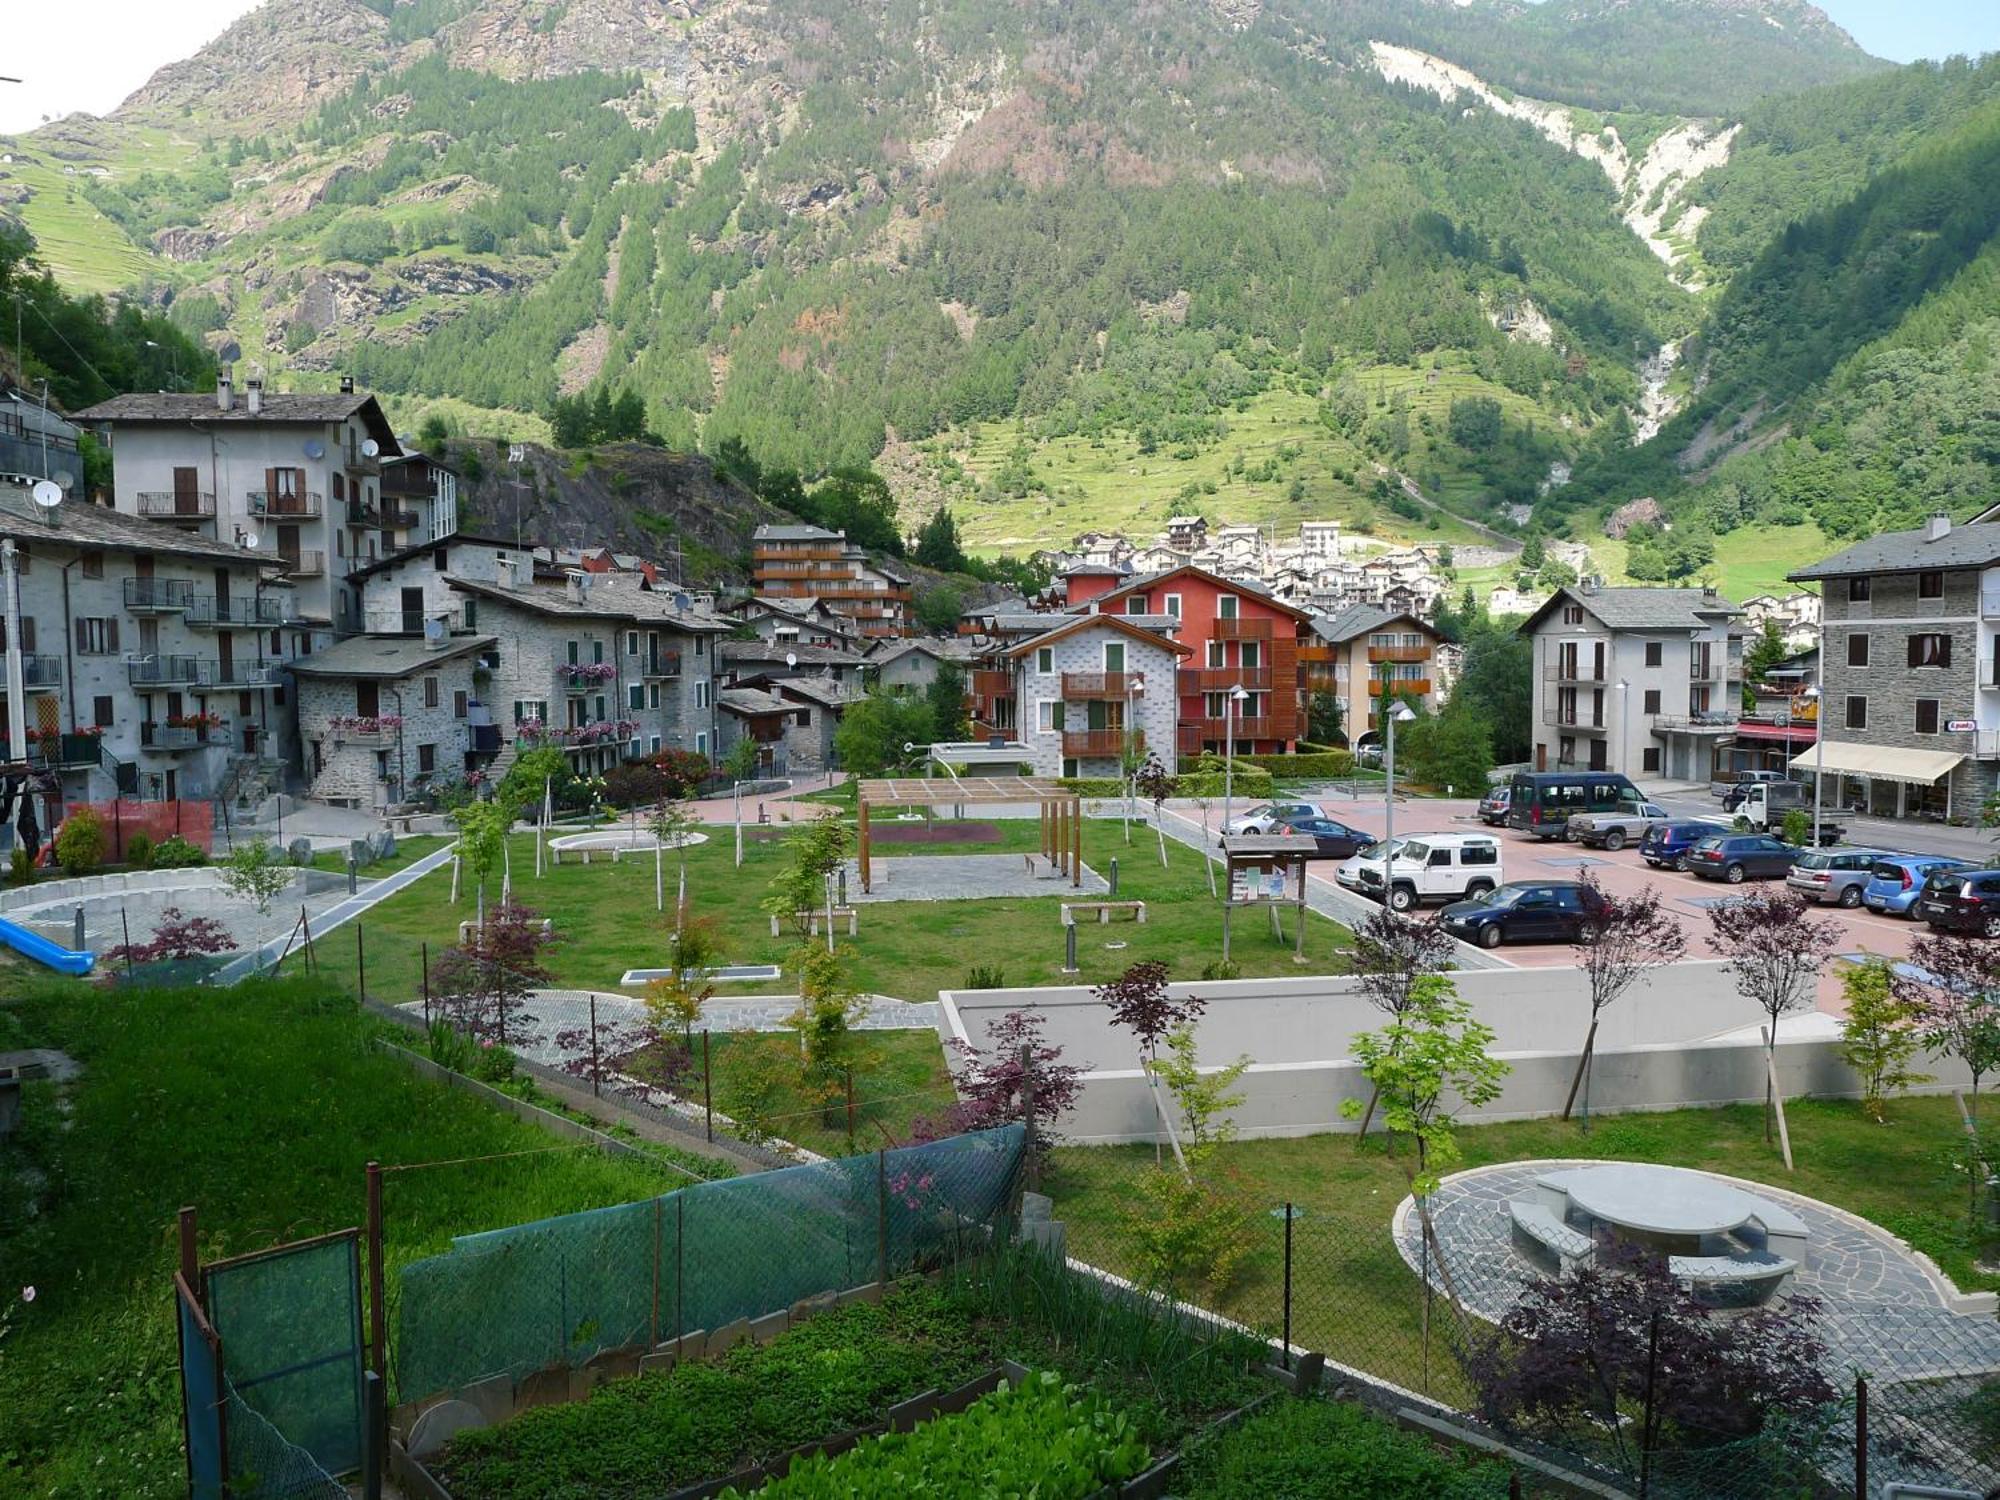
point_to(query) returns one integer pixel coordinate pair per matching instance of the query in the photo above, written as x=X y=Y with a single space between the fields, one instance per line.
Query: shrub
x=80 y=843
x=139 y=852
x=1326 y=763
x=1185 y=1235
x=634 y=783
x=177 y=853
x=22 y=868
x=986 y=977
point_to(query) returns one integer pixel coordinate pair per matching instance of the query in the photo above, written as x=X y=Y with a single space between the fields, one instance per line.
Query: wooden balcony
x=1240 y=629
x=1322 y=654
x=772 y=552
x=1268 y=727
x=1398 y=653
x=1416 y=687
x=1079 y=687
x=302 y=564
x=1222 y=679
x=1100 y=742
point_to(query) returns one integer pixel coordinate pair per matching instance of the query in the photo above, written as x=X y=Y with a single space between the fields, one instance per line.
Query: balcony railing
x=205 y=610
x=41 y=673
x=1575 y=671
x=240 y=674
x=1265 y=727
x=363 y=513
x=1711 y=722
x=660 y=664
x=1240 y=629
x=163 y=671
x=1078 y=687
x=1416 y=687
x=1399 y=653
x=399 y=518
x=306 y=504
x=1222 y=679
x=1101 y=742
x=64 y=751
x=179 y=737
x=363 y=463
x=302 y=564
x=158 y=593
x=177 y=505
x=776 y=552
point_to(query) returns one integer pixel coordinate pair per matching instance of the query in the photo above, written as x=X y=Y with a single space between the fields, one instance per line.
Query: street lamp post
x=1236 y=695
x=1400 y=714
x=1813 y=695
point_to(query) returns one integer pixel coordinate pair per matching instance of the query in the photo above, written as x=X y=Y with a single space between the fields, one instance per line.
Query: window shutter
x=111 y=633
x=1916 y=650
x=1944 y=650
x=27 y=632
x=82 y=636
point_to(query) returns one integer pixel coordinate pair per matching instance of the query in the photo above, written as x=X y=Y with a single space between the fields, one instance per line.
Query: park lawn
x=606 y=921
x=898 y=1076
x=259 y=1105
x=1354 y=1298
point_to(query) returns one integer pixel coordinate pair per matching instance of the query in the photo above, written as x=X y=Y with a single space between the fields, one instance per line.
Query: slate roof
x=751 y=701
x=1120 y=623
x=81 y=524
x=424 y=549
x=611 y=596
x=309 y=408
x=1359 y=619
x=795 y=534
x=1971 y=546
x=943 y=648
x=740 y=652
x=386 y=656
x=819 y=690
x=1640 y=608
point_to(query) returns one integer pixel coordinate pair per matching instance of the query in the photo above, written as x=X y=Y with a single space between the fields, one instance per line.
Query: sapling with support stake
x=1619 y=939
x=1391 y=953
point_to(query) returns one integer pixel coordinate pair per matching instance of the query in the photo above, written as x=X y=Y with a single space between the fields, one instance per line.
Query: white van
x=1425 y=867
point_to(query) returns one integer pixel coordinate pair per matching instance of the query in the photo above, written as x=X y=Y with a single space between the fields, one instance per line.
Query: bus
x=1543 y=801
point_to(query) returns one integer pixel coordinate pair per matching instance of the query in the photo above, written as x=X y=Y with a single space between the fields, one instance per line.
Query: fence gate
x=201 y=1394
x=289 y=1321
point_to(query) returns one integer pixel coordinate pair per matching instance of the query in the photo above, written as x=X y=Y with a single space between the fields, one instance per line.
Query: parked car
x=1898 y=880
x=1731 y=792
x=1527 y=911
x=1427 y=867
x=1833 y=876
x=1962 y=901
x=1615 y=829
x=1666 y=845
x=1260 y=818
x=1737 y=857
x=1544 y=801
x=1493 y=806
x=1348 y=872
x=1331 y=840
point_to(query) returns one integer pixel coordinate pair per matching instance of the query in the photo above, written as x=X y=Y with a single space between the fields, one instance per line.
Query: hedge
x=1250 y=782
x=1323 y=763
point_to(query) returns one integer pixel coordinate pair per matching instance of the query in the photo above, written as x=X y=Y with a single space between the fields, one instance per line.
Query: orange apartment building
x=1363 y=653
x=807 y=562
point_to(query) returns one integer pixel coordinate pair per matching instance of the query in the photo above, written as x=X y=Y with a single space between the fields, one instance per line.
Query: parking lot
x=1624 y=873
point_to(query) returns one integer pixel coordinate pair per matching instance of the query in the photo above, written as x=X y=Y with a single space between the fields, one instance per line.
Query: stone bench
x=816 y=919
x=1104 y=909
x=1785 y=1233
x=1758 y=1268
x=1540 y=1223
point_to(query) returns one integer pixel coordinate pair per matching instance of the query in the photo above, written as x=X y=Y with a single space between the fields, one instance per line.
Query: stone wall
x=1156 y=713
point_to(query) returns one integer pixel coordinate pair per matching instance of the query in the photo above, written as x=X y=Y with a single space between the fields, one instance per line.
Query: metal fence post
x=374 y=1435
x=360 y=963
x=1030 y=1148
x=596 y=1068
x=1861 y=1437
x=427 y=983
x=680 y=1266
x=378 y=1314
x=707 y=1091
x=1647 y=1416
x=653 y=1323
x=190 y=1256
x=882 y=1217
x=850 y=1111
x=1288 y=1285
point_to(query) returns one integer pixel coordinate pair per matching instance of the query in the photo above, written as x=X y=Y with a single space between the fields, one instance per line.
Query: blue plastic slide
x=42 y=951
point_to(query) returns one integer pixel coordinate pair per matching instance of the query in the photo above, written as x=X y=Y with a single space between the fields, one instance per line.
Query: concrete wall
x=1658 y=1047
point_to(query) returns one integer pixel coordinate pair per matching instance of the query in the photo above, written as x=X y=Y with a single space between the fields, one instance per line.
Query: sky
x=89 y=54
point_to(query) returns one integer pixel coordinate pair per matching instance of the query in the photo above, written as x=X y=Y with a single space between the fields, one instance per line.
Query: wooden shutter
x=111 y=634
x=27 y=632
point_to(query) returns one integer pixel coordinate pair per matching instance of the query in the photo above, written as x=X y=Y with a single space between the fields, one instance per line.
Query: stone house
x=382 y=717
x=1090 y=689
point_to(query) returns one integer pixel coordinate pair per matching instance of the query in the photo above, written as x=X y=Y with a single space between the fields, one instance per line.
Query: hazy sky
x=89 y=54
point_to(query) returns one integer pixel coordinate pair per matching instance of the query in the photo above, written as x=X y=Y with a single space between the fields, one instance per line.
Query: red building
x=1239 y=635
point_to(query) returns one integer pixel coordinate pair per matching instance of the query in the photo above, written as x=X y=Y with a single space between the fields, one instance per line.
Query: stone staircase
x=250 y=781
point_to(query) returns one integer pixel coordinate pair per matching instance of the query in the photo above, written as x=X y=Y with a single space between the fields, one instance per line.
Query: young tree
x=1156 y=784
x=992 y=1083
x=1390 y=954
x=176 y=937
x=1775 y=949
x=1622 y=939
x=946 y=698
x=628 y=1057
x=256 y=873
x=872 y=733
x=1879 y=1036
x=484 y=986
x=829 y=1010
x=795 y=892
x=1323 y=718
x=1433 y=1049
x=482 y=843
x=1953 y=982
x=670 y=823
x=1140 y=1003
x=1205 y=1098
x=695 y=955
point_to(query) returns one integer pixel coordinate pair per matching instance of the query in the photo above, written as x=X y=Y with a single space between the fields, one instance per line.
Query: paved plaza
x=1882 y=1312
x=966 y=877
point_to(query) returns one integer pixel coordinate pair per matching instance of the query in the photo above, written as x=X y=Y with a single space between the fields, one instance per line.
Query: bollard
x=353 y=885
x=78 y=944
x=374 y=1435
x=1114 y=874
x=1069 y=948
x=843 y=885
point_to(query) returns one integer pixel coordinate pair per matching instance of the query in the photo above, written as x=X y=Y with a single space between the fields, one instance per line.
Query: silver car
x=1833 y=876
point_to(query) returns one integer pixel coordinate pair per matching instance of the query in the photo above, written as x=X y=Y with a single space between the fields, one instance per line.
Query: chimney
x=1588 y=583
x=1937 y=528
x=347 y=385
x=1708 y=593
x=224 y=390
x=253 y=394
x=576 y=585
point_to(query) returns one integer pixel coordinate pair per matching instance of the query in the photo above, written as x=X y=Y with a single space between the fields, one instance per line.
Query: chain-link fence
x=1615 y=1366
x=559 y=1291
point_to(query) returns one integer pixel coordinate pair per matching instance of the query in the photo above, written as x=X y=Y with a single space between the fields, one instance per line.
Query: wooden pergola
x=1062 y=810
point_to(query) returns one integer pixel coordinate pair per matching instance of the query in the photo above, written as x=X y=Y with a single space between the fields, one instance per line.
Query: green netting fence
x=558 y=1291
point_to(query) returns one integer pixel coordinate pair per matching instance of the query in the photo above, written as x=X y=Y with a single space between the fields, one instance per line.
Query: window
x=1225 y=607
x=1217 y=654
x=575 y=653
x=601 y=714
x=531 y=708
x=1650 y=760
x=701 y=742
x=1572 y=614
x=1173 y=602
x=440 y=560
x=1927 y=716
x=1930 y=584
x=1860 y=590
x=461 y=704
x=1246 y=655
x=427 y=759
x=597 y=653
x=92 y=564
x=1930 y=650
x=653 y=696
x=1857 y=650
x=431 y=692
x=635 y=696
x=1138 y=604
x=1655 y=653
x=1857 y=712
x=1114 y=656
x=1048 y=715
x=1479 y=854
x=653 y=745
x=701 y=645
x=631 y=643
x=1045 y=661
x=100 y=712
x=701 y=695
x=1652 y=702
x=96 y=637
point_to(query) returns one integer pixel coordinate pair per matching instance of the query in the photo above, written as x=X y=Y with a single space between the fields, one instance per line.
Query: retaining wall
x=88 y=888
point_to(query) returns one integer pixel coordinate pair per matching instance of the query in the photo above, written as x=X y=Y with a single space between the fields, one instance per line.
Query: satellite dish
x=47 y=494
x=315 y=449
x=64 y=479
x=230 y=352
x=791 y=658
x=369 y=447
x=250 y=540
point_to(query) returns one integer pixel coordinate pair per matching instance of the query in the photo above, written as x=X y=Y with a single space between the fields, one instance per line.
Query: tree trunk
x=1366 y=1115
x=1582 y=1070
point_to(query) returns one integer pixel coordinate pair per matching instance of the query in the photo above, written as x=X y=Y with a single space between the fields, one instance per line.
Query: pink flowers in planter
x=591 y=671
x=603 y=732
x=364 y=723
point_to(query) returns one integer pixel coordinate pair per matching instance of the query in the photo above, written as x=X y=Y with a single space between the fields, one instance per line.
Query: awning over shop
x=1887 y=762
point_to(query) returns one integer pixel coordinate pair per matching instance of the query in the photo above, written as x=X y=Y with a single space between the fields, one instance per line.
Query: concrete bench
x=1104 y=909
x=1785 y=1233
x=817 y=919
x=1540 y=1224
x=1759 y=1268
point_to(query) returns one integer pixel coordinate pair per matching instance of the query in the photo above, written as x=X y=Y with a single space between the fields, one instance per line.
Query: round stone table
x=1664 y=1201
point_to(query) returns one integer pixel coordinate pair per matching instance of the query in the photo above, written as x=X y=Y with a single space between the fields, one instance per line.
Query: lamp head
x=1401 y=714
x=1240 y=693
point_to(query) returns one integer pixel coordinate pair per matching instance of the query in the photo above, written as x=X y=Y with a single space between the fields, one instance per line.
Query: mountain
x=1057 y=266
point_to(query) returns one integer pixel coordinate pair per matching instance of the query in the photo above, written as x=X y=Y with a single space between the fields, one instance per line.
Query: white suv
x=1425 y=867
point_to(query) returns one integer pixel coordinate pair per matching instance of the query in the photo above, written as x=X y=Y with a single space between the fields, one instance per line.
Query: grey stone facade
x=355 y=764
x=1039 y=687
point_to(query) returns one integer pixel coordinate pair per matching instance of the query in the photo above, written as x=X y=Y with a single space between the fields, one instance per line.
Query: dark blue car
x=1666 y=845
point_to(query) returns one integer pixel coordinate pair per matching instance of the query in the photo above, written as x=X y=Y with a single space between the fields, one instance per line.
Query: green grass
x=606 y=922
x=259 y=1105
x=1328 y=1450
x=1356 y=1300
x=87 y=252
